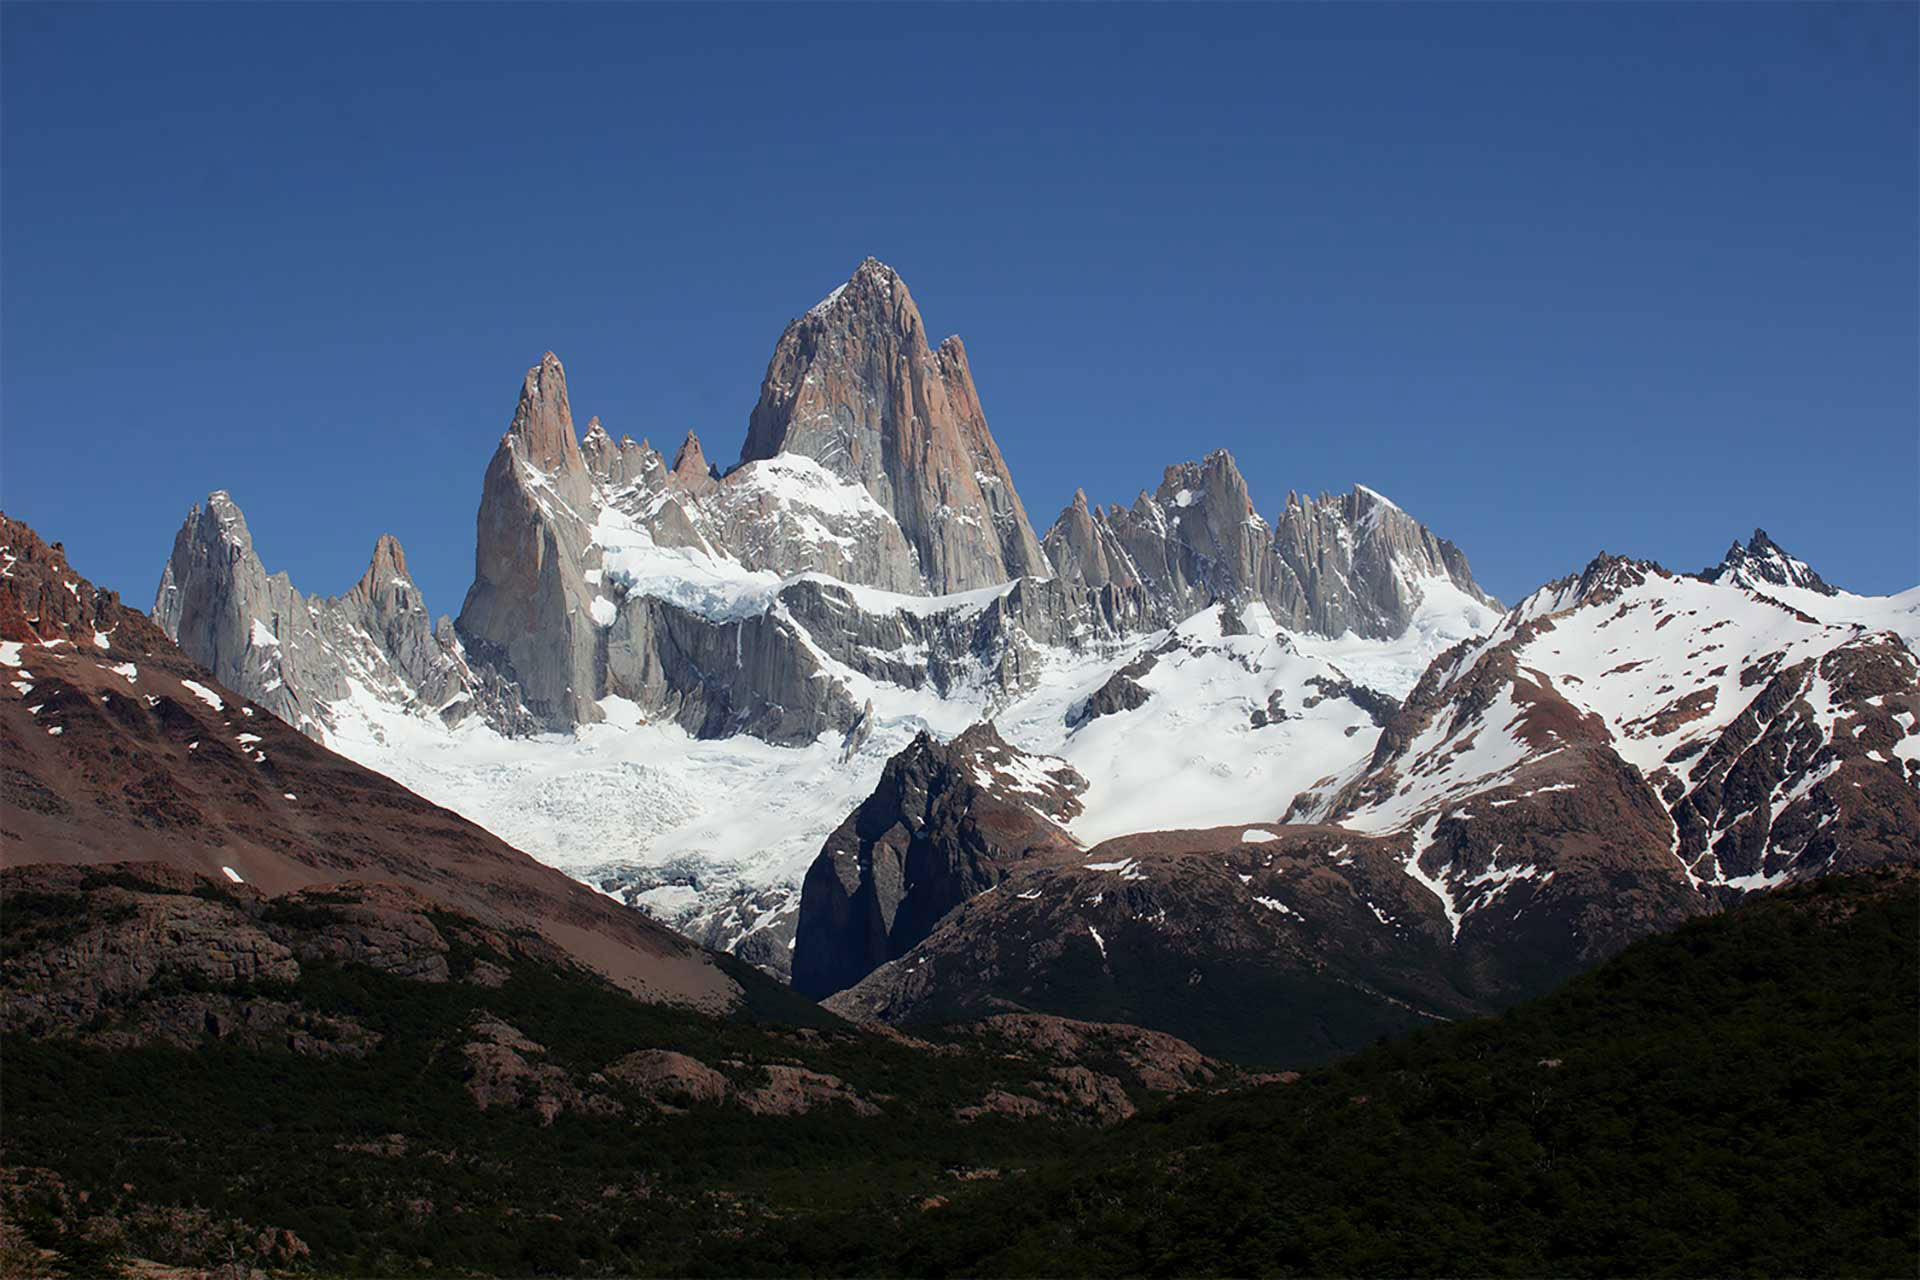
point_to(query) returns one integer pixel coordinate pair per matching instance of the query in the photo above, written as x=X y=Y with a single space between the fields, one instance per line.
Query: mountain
x=948 y=821
x=1627 y=749
x=853 y=386
x=729 y=665
x=119 y=748
x=299 y=656
x=729 y=657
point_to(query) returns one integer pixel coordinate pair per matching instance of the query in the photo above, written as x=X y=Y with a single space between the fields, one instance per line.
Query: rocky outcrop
x=506 y=1069
x=1153 y=1059
x=947 y=821
x=672 y=1081
x=854 y=386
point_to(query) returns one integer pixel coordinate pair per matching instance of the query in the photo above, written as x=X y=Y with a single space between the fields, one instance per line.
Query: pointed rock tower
x=854 y=386
x=529 y=611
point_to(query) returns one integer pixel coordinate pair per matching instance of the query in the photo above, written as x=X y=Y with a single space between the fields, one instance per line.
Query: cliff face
x=529 y=612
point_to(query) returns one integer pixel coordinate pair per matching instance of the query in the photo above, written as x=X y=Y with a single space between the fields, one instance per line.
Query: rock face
x=529 y=612
x=853 y=386
x=1354 y=562
x=947 y=821
x=1762 y=564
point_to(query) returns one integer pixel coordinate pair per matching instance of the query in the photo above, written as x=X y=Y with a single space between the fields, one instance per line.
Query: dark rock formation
x=946 y=821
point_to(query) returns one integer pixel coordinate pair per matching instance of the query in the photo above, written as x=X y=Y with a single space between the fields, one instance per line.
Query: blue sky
x=1556 y=278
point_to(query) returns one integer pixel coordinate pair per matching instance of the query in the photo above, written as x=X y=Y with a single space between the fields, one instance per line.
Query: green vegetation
x=1736 y=1098
x=384 y=1165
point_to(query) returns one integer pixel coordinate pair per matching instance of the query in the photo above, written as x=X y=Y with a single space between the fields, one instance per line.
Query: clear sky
x=1556 y=278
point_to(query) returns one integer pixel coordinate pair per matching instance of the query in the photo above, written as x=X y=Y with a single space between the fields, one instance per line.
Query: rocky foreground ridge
x=119 y=748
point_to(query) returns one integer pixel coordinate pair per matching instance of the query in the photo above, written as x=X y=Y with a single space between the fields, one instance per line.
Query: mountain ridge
x=1198 y=663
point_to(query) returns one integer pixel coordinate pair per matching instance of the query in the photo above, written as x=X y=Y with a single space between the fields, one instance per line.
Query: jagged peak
x=595 y=430
x=1186 y=483
x=387 y=567
x=690 y=465
x=543 y=419
x=226 y=516
x=1763 y=563
x=1605 y=576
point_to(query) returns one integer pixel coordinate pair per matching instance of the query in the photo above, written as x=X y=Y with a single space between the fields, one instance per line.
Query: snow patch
x=203 y=693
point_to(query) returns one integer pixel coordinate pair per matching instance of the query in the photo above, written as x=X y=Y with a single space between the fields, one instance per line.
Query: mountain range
x=839 y=708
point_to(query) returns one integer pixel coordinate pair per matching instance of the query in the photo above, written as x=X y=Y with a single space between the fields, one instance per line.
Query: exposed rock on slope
x=1758 y=743
x=118 y=748
x=1264 y=945
x=130 y=954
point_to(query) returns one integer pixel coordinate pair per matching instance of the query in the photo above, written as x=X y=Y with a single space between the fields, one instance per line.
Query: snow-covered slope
x=715 y=834
x=1729 y=736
